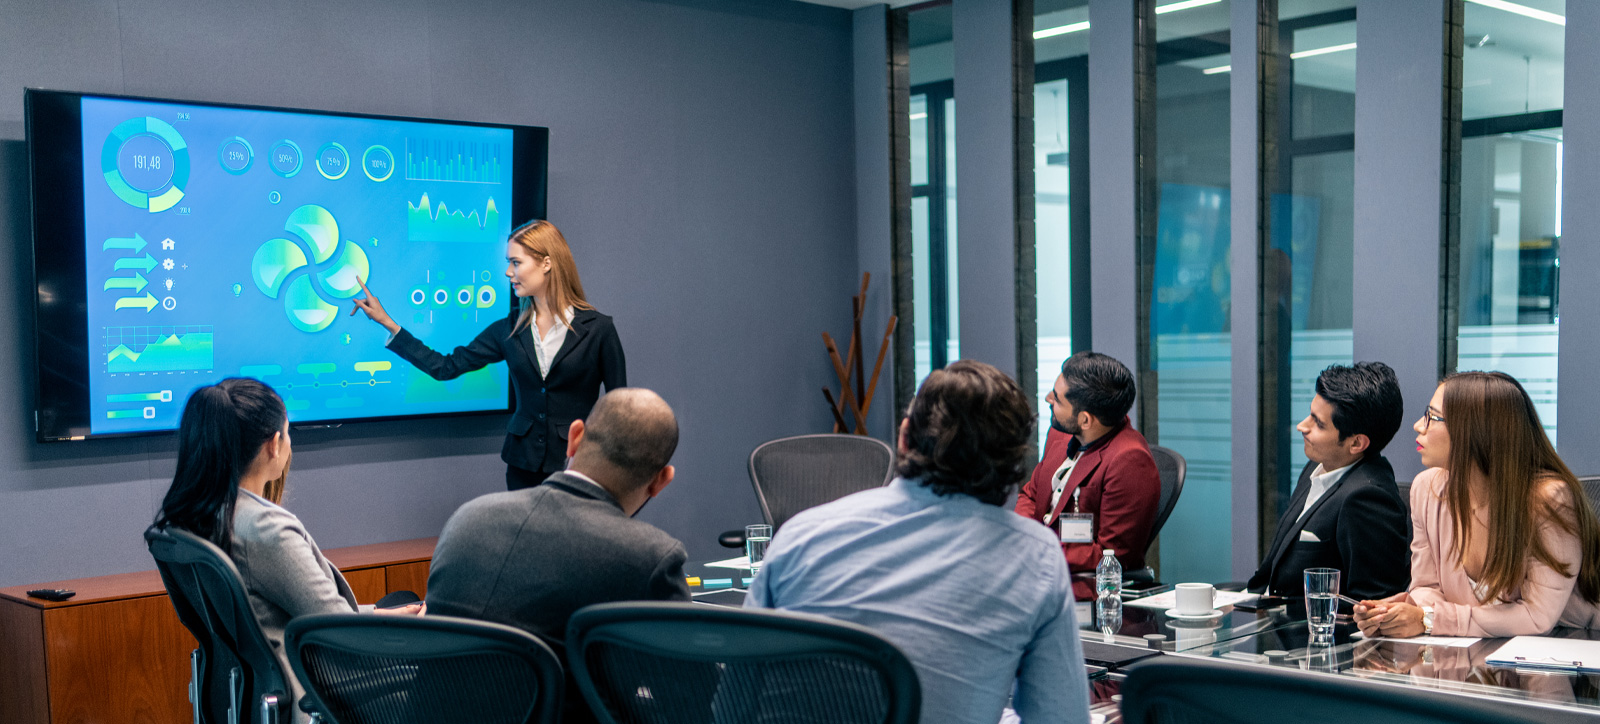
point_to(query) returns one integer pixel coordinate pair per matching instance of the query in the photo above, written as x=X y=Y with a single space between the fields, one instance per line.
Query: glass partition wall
x=1511 y=99
x=1308 y=272
x=1061 y=187
x=1189 y=325
x=933 y=188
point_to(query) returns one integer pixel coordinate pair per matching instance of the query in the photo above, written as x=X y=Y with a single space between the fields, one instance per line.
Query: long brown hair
x=1495 y=432
x=562 y=288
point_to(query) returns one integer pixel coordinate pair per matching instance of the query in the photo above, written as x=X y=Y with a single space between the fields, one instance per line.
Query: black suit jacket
x=536 y=437
x=1363 y=530
x=531 y=558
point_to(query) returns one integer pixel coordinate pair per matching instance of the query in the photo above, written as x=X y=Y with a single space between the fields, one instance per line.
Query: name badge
x=1077 y=527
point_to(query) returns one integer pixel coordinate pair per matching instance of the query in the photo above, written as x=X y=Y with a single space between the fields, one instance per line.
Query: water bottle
x=1108 y=576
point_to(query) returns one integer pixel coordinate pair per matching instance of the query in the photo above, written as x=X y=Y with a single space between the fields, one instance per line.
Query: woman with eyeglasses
x=1504 y=541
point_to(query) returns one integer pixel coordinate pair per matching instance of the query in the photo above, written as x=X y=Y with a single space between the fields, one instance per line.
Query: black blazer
x=1363 y=530
x=536 y=437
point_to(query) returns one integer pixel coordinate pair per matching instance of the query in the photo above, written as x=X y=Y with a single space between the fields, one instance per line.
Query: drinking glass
x=1322 y=603
x=756 y=538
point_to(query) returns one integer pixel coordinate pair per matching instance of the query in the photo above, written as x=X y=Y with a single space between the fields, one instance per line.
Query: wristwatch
x=1427 y=620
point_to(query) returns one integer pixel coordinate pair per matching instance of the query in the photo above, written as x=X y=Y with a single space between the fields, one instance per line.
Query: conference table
x=1278 y=637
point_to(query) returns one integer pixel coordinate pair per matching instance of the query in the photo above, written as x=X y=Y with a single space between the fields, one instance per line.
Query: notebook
x=1543 y=652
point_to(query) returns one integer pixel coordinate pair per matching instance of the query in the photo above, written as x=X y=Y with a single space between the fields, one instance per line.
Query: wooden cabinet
x=116 y=653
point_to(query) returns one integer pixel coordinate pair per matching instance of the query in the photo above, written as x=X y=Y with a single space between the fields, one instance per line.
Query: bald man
x=531 y=558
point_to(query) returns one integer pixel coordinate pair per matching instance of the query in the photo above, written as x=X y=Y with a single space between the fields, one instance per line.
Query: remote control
x=53 y=594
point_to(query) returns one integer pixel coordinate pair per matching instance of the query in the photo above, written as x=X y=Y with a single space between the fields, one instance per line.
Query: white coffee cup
x=1195 y=599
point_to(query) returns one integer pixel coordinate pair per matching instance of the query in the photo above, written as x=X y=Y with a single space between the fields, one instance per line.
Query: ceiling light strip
x=1522 y=10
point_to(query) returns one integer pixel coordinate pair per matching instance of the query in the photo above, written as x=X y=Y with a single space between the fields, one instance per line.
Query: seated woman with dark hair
x=233 y=454
x=1504 y=542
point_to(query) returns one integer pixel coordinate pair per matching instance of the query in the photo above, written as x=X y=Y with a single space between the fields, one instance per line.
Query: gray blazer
x=531 y=558
x=284 y=574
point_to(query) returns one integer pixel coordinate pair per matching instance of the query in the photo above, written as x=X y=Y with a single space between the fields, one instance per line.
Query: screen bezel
x=54 y=122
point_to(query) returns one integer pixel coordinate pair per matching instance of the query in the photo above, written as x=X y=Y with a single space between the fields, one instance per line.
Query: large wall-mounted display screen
x=179 y=243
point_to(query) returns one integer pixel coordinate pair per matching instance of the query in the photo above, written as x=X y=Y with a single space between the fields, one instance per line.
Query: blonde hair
x=562 y=287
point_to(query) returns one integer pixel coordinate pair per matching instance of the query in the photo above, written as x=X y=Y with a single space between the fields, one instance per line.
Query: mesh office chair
x=235 y=677
x=1172 y=469
x=665 y=663
x=1183 y=690
x=792 y=474
x=1591 y=490
x=364 y=669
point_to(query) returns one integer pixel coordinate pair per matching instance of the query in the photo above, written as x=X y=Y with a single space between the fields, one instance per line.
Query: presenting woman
x=1503 y=542
x=558 y=349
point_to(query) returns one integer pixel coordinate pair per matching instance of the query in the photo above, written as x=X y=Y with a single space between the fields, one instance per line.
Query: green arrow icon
x=136 y=243
x=135 y=282
x=133 y=262
x=146 y=301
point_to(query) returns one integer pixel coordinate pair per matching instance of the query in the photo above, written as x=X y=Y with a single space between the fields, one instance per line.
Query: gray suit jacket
x=531 y=558
x=284 y=574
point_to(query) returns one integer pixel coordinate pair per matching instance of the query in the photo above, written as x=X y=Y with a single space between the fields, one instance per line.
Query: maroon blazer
x=1119 y=485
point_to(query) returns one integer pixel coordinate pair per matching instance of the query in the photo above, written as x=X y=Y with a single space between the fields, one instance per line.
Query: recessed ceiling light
x=1060 y=30
x=1323 y=51
x=1160 y=10
x=1218 y=69
x=1522 y=10
x=1183 y=5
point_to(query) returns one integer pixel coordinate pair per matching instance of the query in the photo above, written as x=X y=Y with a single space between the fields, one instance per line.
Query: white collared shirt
x=1321 y=480
x=546 y=347
x=1058 y=482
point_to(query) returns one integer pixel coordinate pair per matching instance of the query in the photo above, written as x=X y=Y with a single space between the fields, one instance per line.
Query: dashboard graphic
x=229 y=241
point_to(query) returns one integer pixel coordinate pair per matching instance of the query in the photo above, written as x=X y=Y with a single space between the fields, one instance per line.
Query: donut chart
x=146 y=163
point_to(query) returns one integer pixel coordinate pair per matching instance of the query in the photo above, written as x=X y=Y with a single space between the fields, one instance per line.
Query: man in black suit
x=1346 y=512
x=531 y=558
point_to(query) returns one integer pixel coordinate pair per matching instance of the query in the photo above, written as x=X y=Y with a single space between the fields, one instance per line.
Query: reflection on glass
x=1511 y=198
x=1512 y=63
x=1060 y=159
x=933 y=218
x=1052 y=238
x=1313 y=212
x=1190 y=331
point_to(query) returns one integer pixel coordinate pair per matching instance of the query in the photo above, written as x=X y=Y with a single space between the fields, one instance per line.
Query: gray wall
x=1399 y=104
x=702 y=164
x=1580 y=247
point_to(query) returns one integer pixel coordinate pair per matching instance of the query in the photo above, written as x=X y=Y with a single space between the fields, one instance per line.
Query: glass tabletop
x=1180 y=633
x=1434 y=666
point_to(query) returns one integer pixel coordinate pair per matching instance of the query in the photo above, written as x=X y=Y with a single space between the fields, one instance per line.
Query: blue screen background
x=225 y=242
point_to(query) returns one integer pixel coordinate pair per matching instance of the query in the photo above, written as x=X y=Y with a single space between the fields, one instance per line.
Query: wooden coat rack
x=851 y=367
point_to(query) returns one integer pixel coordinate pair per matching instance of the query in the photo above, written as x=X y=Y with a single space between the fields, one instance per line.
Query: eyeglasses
x=1429 y=417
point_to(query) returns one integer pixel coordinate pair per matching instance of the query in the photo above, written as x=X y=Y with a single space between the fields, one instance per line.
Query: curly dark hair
x=967 y=432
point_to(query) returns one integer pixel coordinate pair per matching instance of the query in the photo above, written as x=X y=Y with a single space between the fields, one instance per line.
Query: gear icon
x=166 y=264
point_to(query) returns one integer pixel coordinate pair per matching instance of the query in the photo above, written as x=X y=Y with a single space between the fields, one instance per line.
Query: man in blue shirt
x=978 y=598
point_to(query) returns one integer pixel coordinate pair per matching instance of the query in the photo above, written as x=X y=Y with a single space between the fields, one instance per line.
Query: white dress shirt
x=1321 y=480
x=545 y=347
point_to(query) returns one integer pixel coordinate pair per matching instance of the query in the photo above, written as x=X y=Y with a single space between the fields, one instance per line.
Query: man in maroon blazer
x=1096 y=486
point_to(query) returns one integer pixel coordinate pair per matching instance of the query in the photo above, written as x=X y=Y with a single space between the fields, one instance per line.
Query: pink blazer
x=1544 y=599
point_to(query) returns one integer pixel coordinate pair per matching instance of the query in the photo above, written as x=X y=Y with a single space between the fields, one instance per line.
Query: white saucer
x=1213 y=613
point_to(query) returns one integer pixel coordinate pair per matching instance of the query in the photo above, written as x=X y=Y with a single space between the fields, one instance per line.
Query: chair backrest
x=1174 y=689
x=365 y=669
x=1591 y=489
x=666 y=663
x=1173 y=469
x=795 y=473
x=210 y=599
